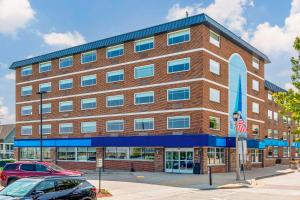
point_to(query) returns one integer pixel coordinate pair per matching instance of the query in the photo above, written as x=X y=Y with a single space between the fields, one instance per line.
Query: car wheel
x=10 y=181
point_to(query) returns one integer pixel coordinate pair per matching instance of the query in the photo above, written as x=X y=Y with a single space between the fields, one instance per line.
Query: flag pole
x=236 y=117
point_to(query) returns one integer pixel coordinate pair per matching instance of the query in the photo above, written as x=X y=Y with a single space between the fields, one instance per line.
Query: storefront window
x=132 y=153
x=256 y=155
x=216 y=156
x=76 y=153
x=33 y=153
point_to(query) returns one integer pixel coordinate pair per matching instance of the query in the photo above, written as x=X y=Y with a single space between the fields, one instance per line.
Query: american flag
x=241 y=125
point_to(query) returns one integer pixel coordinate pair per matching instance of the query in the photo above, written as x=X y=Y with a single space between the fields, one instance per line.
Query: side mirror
x=37 y=194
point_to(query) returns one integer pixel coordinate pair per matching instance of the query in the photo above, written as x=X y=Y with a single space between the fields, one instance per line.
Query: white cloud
x=274 y=39
x=288 y=86
x=66 y=39
x=6 y=117
x=14 y=15
x=228 y=13
x=10 y=76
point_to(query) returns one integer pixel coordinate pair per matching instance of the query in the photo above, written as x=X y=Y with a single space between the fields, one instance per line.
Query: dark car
x=23 y=169
x=51 y=187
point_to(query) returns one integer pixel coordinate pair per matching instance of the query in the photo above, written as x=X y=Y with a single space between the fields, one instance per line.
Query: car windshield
x=55 y=167
x=19 y=188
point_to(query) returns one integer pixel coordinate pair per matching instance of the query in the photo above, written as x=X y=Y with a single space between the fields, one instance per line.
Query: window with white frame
x=46 y=108
x=88 y=57
x=255 y=85
x=285 y=151
x=270 y=114
x=275 y=134
x=270 y=133
x=26 y=91
x=178 y=37
x=144 y=44
x=144 y=124
x=45 y=87
x=144 y=71
x=144 y=98
x=179 y=94
x=270 y=97
x=284 y=119
x=88 y=127
x=115 y=76
x=214 y=67
x=255 y=107
x=46 y=130
x=87 y=104
x=65 y=106
x=66 y=84
x=214 y=95
x=256 y=155
x=255 y=129
x=284 y=135
x=26 y=71
x=115 y=101
x=65 y=128
x=115 y=126
x=289 y=120
x=65 y=62
x=214 y=123
x=26 y=110
x=255 y=63
x=26 y=130
x=275 y=115
x=216 y=156
x=179 y=122
x=88 y=80
x=214 y=38
x=275 y=151
x=45 y=67
x=115 y=51
x=81 y=154
x=179 y=65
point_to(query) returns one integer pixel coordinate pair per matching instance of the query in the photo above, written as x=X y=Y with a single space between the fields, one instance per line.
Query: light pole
x=41 y=93
x=290 y=149
x=236 y=117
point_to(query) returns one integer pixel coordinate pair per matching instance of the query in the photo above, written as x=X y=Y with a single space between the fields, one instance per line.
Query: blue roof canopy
x=147 y=32
x=273 y=87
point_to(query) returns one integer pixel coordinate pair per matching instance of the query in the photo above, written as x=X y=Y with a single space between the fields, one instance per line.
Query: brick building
x=156 y=99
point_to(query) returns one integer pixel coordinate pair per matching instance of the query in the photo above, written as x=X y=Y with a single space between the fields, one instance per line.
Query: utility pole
x=41 y=123
x=290 y=149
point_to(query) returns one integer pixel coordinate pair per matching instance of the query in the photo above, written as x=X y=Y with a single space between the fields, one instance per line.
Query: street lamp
x=41 y=93
x=290 y=149
x=236 y=117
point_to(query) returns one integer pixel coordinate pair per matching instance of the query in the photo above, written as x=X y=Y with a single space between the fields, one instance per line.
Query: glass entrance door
x=179 y=160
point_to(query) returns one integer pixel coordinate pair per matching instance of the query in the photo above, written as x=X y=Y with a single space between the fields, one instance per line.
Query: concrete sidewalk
x=220 y=180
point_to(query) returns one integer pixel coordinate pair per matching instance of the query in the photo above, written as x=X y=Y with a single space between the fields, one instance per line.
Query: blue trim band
x=185 y=140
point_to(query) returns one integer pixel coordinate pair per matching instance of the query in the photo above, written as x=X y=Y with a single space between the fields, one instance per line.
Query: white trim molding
x=253 y=97
x=125 y=114
x=125 y=89
x=255 y=120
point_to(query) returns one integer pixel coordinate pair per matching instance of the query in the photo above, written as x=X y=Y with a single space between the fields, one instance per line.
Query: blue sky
x=33 y=27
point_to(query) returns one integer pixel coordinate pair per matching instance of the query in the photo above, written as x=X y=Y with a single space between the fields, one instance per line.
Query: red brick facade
x=198 y=78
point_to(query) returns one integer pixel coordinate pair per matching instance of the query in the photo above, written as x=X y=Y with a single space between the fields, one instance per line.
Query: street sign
x=100 y=162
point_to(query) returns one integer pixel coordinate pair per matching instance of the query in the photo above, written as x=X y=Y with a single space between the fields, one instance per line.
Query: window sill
x=131 y=160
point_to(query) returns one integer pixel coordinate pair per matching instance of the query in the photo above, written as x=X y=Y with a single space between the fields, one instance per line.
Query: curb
x=273 y=175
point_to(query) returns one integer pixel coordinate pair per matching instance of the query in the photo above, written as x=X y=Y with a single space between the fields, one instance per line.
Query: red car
x=14 y=171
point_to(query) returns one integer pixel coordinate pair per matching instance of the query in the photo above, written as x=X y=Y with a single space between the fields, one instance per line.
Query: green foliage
x=290 y=101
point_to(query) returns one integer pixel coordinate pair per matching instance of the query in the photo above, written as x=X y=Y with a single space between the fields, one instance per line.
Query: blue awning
x=185 y=140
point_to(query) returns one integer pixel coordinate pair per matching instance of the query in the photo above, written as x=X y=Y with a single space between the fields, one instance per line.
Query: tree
x=290 y=101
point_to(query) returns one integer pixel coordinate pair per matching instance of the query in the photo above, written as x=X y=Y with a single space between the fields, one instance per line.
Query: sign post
x=99 y=166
